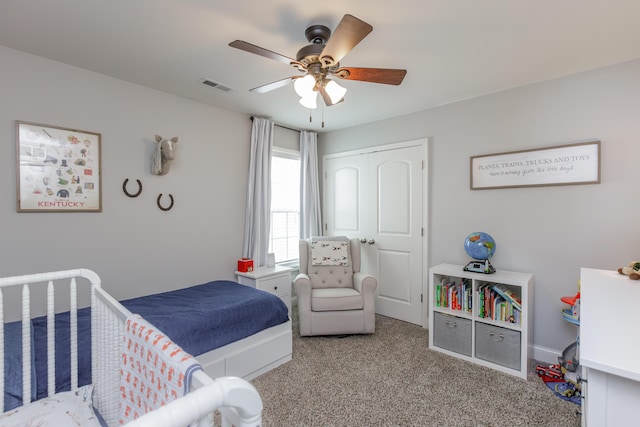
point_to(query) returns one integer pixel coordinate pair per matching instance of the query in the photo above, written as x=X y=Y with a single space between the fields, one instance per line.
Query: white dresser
x=609 y=348
x=276 y=280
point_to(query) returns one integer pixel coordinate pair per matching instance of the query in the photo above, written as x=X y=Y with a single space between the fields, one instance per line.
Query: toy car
x=551 y=372
x=570 y=393
x=567 y=390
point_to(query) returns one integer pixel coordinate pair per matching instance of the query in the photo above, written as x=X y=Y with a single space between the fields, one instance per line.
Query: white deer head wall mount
x=163 y=154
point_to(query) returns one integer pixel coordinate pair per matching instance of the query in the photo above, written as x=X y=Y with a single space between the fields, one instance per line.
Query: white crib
x=237 y=400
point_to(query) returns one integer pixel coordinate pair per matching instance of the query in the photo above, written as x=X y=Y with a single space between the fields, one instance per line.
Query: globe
x=480 y=246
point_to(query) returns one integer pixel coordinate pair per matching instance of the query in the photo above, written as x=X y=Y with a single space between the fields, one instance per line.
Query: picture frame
x=568 y=164
x=58 y=169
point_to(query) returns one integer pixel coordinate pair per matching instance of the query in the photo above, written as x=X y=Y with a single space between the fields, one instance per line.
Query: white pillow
x=329 y=252
x=68 y=408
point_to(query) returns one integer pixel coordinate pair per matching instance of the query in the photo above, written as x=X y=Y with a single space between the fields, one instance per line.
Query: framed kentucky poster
x=58 y=169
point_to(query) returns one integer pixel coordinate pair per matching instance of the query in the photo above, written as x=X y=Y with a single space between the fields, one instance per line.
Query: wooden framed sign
x=58 y=169
x=559 y=165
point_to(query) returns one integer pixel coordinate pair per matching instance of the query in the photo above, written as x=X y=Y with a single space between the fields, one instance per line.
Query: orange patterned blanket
x=153 y=371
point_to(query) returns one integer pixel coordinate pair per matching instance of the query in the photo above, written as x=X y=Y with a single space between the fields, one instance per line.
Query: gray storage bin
x=452 y=333
x=498 y=345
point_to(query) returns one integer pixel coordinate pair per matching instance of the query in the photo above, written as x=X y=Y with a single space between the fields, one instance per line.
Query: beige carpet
x=391 y=378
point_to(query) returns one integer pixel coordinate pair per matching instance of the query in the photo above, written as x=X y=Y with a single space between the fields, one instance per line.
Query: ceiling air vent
x=216 y=85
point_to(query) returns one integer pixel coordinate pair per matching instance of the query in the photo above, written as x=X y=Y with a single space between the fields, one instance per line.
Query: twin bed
x=86 y=347
x=232 y=329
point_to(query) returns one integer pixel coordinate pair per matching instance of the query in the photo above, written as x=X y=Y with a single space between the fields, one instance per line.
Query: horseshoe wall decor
x=162 y=207
x=124 y=188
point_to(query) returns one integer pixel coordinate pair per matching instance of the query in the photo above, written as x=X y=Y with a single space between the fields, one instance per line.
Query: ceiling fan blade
x=349 y=32
x=251 y=48
x=273 y=85
x=387 y=76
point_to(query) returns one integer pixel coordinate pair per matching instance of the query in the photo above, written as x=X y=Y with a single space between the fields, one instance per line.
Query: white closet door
x=395 y=218
x=378 y=197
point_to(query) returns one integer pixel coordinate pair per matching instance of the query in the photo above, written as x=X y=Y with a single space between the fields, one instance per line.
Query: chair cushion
x=331 y=277
x=335 y=299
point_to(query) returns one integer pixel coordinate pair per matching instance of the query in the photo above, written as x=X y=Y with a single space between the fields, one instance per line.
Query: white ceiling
x=451 y=49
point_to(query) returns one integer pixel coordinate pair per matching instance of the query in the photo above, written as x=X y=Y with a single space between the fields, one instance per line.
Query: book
x=508 y=295
x=496 y=307
x=487 y=302
x=482 y=302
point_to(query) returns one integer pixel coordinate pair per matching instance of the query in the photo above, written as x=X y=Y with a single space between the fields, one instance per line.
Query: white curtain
x=310 y=218
x=258 y=208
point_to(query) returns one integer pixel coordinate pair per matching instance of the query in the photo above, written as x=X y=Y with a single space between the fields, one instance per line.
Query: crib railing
x=107 y=328
x=237 y=400
x=52 y=280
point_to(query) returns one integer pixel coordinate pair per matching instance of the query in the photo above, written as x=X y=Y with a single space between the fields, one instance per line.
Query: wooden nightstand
x=276 y=280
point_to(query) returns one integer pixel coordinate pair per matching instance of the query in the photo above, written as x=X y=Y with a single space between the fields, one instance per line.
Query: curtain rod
x=280 y=126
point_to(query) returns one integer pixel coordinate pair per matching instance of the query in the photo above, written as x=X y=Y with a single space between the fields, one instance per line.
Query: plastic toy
x=573 y=378
x=550 y=373
x=571 y=300
x=572 y=313
x=632 y=270
x=569 y=359
x=567 y=390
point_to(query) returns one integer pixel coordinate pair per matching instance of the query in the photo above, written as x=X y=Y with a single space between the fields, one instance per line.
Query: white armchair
x=334 y=297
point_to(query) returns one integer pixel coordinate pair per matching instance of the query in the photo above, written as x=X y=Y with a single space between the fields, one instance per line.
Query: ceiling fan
x=321 y=59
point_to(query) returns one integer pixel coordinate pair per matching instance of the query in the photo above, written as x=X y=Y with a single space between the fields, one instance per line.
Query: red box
x=245 y=265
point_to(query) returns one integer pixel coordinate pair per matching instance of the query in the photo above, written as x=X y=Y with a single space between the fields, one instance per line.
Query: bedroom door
x=378 y=197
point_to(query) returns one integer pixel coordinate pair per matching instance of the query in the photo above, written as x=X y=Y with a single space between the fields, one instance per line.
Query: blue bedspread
x=204 y=317
x=39 y=381
x=199 y=319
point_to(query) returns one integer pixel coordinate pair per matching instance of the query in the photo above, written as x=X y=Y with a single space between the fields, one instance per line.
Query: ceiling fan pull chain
x=322 y=116
x=309 y=115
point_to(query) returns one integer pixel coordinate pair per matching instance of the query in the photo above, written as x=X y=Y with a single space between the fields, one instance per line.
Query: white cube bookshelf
x=462 y=331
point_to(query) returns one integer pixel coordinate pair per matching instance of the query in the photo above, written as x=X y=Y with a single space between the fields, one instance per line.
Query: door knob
x=371 y=241
x=363 y=240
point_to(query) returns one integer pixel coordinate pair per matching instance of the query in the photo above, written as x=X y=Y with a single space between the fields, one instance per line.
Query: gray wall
x=548 y=231
x=136 y=248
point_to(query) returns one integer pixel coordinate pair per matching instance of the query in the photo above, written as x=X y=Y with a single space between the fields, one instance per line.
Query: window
x=285 y=204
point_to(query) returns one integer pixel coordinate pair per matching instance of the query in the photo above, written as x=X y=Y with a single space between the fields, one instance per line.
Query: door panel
x=391 y=265
x=394 y=204
x=343 y=202
x=346 y=199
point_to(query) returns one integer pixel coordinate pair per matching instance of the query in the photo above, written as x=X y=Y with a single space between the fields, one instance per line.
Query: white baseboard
x=544 y=354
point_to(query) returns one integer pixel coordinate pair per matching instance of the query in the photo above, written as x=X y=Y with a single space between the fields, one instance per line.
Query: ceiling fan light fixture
x=304 y=86
x=321 y=59
x=310 y=101
x=335 y=91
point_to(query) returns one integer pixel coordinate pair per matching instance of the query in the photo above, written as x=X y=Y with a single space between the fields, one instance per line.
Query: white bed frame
x=237 y=401
x=250 y=357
